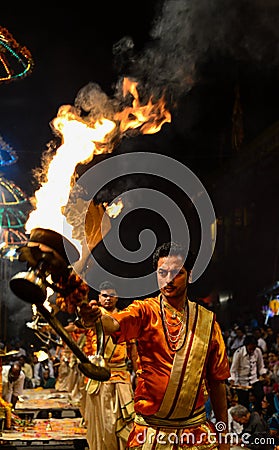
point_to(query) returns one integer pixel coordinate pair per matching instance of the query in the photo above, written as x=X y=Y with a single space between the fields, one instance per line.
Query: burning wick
x=114 y=209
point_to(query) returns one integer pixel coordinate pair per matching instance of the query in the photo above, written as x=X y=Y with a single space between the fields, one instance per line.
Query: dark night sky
x=199 y=51
x=216 y=46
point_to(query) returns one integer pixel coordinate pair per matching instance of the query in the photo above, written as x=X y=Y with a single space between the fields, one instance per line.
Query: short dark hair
x=174 y=248
x=250 y=339
x=106 y=285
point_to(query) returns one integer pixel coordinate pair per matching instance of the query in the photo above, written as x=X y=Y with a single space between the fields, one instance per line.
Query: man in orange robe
x=109 y=405
x=182 y=360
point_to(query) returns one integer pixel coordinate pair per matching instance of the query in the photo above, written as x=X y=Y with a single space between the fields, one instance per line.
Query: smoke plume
x=187 y=34
x=186 y=38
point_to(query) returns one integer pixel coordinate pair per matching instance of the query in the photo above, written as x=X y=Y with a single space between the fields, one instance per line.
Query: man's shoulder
x=145 y=304
x=152 y=299
x=255 y=418
x=146 y=301
x=240 y=350
x=149 y=304
x=258 y=350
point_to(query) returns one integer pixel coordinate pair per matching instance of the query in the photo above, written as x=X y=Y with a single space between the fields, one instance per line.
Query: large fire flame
x=80 y=143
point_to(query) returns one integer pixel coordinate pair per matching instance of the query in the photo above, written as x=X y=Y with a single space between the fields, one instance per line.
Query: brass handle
x=89 y=369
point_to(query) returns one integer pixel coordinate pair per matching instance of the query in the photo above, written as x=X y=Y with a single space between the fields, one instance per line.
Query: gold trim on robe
x=188 y=365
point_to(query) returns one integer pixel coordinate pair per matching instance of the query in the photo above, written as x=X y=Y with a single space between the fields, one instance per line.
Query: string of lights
x=15 y=60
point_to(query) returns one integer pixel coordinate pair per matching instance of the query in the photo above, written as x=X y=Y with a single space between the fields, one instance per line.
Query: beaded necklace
x=173 y=339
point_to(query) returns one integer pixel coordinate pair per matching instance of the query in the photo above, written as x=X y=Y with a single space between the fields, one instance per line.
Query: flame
x=150 y=118
x=114 y=209
x=82 y=140
x=54 y=193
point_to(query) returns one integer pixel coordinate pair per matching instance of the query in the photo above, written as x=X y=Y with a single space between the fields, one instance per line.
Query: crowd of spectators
x=252 y=390
x=37 y=366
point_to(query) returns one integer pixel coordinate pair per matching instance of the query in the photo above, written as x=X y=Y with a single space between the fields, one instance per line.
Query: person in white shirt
x=12 y=383
x=246 y=369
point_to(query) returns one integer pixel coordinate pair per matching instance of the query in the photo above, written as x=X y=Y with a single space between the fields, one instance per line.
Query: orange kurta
x=142 y=321
x=109 y=404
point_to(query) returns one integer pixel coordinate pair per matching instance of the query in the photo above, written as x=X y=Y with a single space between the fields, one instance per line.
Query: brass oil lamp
x=47 y=255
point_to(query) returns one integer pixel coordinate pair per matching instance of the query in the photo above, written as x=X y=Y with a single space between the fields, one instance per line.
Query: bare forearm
x=218 y=398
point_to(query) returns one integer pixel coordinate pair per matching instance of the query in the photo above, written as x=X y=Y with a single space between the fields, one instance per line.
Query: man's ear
x=190 y=277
